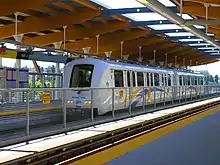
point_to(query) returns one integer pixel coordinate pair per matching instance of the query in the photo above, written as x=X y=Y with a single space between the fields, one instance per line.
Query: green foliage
x=216 y=79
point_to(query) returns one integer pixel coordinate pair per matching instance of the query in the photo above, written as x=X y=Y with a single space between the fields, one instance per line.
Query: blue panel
x=176 y=30
x=200 y=47
x=145 y=23
x=214 y=56
x=107 y=12
x=47 y=58
x=183 y=37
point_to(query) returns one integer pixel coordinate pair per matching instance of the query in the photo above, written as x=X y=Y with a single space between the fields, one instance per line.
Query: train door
x=169 y=86
x=161 y=87
x=133 y=89
x=119 y=91
x=175 y=85
x=140 y=88
x=129 y=86
x=152 y=84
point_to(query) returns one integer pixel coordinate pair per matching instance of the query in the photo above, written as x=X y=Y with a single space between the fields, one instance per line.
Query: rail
x=80 y=149
x=42 y=117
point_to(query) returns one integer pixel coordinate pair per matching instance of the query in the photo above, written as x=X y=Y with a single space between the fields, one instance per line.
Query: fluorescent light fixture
x=179 y=34
x=117 y=4
x=167 y=3
x=164 y=27
x=189 y=40
x=211 y=51
x=185 y=16
x=215 y=53
x=201 y=44
x=199 y=26
x=145 y=16
x=204 y=48
x=210 y=34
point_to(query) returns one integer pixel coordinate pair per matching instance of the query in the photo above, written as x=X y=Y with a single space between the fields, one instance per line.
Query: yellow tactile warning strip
x=118 y=150
x=22 y=111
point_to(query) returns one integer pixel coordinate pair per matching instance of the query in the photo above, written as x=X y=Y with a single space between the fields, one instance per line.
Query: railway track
x=85 y=147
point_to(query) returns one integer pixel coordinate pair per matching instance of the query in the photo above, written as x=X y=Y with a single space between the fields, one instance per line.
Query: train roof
x=128 y=66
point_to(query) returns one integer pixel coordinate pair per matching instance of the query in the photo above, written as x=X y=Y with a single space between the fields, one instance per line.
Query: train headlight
x=87 y=102
x=69 y=101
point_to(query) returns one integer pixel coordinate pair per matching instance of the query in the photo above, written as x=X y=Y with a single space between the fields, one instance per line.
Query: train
x=105 y=85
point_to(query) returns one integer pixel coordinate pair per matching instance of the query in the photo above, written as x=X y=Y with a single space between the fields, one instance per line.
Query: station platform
x=148 y=147
x=35 y=106
x=192 y=141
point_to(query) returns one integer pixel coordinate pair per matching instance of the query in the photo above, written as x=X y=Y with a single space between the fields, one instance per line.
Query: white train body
x=145 y=84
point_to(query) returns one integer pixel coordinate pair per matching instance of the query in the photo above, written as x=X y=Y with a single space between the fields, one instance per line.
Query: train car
x=189 y=84
x=122 y=83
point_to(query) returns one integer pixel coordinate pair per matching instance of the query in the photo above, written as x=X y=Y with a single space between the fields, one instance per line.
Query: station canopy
x=121 y=27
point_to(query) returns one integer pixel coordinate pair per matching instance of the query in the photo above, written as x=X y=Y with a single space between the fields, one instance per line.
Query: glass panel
x=81 y=76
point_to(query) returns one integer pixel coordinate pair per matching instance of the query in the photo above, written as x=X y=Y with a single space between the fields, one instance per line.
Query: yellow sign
x=149 y=95
x=46 y=98
x=121 y=93
x=7 y=53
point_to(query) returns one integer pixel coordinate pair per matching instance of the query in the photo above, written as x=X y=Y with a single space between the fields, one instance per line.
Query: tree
x=216 y=79
x=211 y=79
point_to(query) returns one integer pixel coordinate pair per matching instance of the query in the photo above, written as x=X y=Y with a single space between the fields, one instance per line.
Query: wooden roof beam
x=47 y=23
x=73 y=34
x=10 y=6
x=107 y=42
x=199 y=10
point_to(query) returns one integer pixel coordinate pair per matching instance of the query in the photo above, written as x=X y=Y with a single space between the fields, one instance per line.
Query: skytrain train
x=124 y=84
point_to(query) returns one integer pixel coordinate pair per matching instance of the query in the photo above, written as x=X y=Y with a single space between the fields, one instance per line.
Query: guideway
x=62 y=147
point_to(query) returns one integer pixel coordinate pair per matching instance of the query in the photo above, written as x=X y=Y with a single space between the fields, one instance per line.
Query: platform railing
x=77 y=108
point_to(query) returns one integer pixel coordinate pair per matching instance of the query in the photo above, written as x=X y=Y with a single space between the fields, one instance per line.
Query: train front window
x=81 y=76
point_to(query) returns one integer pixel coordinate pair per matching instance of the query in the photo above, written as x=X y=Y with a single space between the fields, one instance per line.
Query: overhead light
x=173 y=17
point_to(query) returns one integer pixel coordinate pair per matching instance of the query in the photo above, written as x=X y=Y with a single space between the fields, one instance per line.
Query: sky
x=114 y=4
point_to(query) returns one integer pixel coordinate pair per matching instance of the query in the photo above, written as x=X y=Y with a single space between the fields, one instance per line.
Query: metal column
x=57 y=45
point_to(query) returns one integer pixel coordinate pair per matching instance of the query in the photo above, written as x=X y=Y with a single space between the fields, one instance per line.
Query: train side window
x=156 y=79
x=140 y=79
x=166 y=78
x=196 y=81
x=147 y=79
x=189 y=80
x=185 y=80
x=169 y=79
x=162 y=83
x=193 y=80
x=180 y=80
x=134 y=79
x=199 y=80
x=128 y=79
x=161 y=80
x=118 y=75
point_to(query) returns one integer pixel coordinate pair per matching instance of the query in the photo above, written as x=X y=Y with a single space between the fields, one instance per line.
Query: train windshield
x=81 y=76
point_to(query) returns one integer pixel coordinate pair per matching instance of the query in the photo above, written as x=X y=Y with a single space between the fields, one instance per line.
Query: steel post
x=92 y=109
x=64 y=109
x=27 y=114
x=113 y=103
